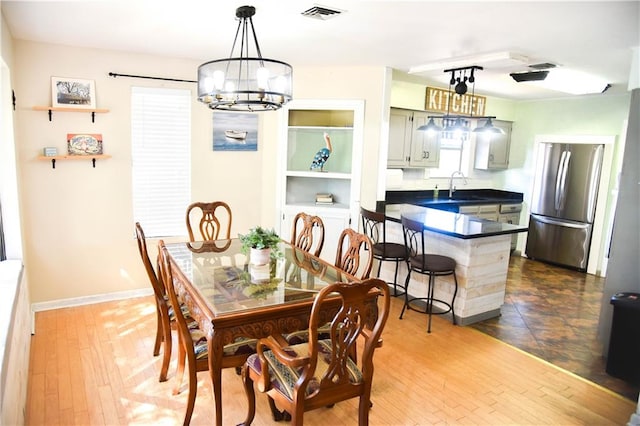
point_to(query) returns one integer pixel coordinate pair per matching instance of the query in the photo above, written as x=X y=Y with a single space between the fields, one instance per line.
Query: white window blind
x=161 y=141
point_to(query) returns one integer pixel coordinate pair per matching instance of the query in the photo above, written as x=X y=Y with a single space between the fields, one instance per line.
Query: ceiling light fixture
x=242 y=82
x=458 y=124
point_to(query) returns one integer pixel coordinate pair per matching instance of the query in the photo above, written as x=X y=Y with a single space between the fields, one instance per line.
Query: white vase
x=260 y=256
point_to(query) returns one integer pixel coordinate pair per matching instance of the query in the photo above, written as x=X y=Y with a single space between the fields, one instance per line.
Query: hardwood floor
x=93 y=365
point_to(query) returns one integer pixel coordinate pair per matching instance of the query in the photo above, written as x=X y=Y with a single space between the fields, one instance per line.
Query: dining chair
x=433 y=265
x=322 y=372
x=374 y=225
x=354 y=254
x=213 y=221
x=192 y=342
x=306 y=230
x=164 y=311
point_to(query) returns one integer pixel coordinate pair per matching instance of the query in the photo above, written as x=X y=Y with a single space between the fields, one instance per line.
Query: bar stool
x=374 y=226
x=433 y=265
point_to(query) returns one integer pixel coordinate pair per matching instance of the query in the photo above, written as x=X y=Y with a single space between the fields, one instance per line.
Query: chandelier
x=456 y=124
x=243 y=82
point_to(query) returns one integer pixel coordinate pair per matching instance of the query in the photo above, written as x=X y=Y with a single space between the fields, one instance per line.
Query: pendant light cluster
x=453 y=123
x=242 y=82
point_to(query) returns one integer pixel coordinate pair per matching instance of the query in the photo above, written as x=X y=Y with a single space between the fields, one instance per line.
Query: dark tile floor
x=553 y=313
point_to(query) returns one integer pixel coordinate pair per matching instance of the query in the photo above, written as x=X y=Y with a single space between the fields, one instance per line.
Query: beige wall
x=78 y=221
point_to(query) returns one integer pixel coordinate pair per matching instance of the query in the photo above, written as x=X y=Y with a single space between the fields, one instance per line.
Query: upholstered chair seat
x=283 y=377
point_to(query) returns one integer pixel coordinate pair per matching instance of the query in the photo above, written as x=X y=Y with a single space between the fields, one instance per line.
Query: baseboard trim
x=89 y=300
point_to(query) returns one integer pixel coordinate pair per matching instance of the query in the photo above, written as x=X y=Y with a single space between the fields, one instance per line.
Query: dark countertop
x=461 y=197
x=453 y=224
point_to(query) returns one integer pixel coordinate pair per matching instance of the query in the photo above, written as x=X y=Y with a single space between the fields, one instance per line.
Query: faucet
x=452 y=189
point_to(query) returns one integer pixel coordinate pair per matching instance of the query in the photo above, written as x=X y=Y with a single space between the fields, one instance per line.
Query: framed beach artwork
x=73 y=93
x=234 y=131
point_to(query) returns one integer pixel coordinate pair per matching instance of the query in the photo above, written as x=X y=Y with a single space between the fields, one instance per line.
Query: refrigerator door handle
x=551 y=221
x=559 y=183
x=563 y=186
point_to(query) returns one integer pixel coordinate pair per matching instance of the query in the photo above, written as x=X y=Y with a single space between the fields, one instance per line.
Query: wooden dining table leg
x=215 y=371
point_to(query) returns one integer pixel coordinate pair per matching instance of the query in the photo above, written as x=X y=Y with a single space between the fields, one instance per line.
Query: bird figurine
x=322 y=156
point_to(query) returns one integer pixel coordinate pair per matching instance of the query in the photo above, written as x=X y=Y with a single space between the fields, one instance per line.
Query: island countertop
x=453 y=224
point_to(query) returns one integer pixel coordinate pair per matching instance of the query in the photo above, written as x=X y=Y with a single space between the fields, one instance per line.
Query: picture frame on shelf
x=84 y=144
x=73 y=93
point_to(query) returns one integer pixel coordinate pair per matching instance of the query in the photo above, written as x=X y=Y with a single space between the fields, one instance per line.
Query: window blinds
x=161 y=157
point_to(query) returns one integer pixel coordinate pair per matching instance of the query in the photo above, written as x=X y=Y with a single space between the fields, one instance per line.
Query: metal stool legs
x=430 y=299
x=395 y=276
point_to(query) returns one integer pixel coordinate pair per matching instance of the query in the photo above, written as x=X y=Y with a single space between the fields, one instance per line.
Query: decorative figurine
x=322 y=156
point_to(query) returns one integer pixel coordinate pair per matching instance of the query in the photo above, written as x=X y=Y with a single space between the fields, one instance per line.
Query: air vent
x=321 y=12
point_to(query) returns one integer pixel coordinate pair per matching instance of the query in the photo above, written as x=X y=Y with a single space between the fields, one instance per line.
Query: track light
x=459 y=124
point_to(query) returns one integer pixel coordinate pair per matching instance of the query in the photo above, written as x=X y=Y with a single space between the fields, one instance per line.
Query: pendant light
x=454 y=124
x=488 y=128
x=242 y=82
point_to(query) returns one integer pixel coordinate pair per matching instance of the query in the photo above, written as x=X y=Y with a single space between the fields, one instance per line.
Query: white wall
x=79 y=239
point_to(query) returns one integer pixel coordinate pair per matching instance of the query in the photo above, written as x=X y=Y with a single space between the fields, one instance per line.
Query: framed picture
x=234 y=131
x=73 y=93
x=84 y=144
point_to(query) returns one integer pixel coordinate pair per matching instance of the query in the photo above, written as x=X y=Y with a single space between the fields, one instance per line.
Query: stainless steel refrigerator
x=564 y=203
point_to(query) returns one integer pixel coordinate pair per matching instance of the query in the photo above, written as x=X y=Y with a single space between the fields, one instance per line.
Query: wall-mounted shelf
x=55 y=158
x=64 y=109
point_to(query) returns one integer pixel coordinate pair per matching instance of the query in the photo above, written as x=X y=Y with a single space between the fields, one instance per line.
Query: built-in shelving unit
x=67 y=109
x=55 y=158
x=305 y=123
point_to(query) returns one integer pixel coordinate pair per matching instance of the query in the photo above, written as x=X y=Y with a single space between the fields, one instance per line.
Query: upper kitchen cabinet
x=330 y=190
x=492 y=152
x=409 y=147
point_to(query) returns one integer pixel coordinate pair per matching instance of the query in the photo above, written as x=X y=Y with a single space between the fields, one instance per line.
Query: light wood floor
x=93 y=365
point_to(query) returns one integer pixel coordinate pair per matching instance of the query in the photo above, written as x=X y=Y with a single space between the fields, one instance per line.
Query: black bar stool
x=433 y=265
x=374 y=226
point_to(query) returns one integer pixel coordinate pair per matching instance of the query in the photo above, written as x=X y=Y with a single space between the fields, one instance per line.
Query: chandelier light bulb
x=262 y=76
x=218 y=80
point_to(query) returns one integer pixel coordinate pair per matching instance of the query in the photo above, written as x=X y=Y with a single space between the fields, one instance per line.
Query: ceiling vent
x=321 y=12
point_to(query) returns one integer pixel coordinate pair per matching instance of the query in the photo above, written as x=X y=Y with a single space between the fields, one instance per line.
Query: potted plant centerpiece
x=261 y=244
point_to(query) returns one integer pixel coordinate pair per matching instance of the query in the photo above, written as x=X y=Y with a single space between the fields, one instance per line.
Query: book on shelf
x=324 y=198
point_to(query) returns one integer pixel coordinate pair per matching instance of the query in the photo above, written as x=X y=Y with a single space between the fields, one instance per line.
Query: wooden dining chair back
x=163 y=308
x=307 y=230
x=192 y=341
x=322 y=372
x=354 y=254
x=374 y=225
x=433 y=265
x=212 y=221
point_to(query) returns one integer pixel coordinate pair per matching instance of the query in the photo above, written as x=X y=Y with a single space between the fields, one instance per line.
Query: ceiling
x=592 y=37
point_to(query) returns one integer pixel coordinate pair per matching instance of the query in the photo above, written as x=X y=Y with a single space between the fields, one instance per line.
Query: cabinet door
x=425 y=146
x=492 y=151
x=488 y=211
x=399 y=138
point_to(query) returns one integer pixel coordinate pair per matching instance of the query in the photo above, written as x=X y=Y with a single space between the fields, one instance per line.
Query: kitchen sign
x=437 y=100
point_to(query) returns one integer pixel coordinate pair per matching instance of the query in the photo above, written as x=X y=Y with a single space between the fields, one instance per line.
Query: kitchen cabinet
x=409 y=147
x=492 y=150
x=305 y=123
x=510 y=213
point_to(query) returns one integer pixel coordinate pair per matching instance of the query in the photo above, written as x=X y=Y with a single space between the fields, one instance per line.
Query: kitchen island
x=480 y=247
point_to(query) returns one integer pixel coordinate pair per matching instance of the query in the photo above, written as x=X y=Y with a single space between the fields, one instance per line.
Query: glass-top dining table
x=231 y=298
